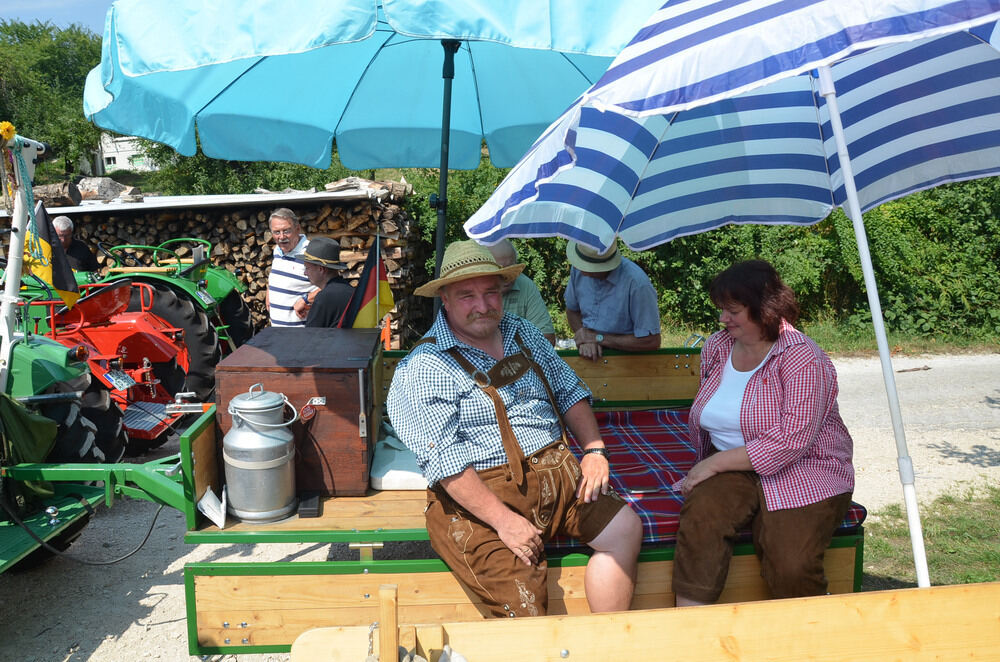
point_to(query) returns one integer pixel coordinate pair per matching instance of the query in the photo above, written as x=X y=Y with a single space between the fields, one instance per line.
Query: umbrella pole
x=906 y=475
x=440 y=201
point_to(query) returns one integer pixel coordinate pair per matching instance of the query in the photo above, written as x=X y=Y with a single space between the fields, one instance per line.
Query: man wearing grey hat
x=323 y=267
x=610 y=302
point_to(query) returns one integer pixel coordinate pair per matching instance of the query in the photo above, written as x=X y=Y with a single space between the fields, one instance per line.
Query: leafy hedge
x=935 y=255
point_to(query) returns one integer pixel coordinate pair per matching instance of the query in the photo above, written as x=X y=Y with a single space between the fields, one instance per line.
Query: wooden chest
x=332 y=368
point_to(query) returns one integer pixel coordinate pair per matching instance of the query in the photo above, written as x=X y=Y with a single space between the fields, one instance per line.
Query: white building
x=122 y=153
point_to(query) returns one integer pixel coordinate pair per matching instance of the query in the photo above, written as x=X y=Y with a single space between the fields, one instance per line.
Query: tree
x=43 y=70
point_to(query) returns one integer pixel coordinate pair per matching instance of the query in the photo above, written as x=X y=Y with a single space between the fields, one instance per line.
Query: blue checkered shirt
x=450 y=424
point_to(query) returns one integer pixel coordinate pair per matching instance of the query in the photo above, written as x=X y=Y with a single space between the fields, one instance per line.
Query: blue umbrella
x=762 y=112
x=280 y=80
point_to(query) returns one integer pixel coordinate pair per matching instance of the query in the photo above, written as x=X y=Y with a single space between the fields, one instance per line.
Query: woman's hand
x=699 y=472
x=734 y=459
x=595 y=477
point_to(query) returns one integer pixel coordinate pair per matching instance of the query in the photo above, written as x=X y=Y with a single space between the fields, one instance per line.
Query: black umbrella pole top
x=450 y=48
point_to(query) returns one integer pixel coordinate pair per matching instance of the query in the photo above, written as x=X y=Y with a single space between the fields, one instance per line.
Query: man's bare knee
x=623 y=534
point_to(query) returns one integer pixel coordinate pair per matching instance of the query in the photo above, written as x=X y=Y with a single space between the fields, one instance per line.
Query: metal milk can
x=259 y=456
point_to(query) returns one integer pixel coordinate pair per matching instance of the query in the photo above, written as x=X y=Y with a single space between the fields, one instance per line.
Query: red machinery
x=137 y=355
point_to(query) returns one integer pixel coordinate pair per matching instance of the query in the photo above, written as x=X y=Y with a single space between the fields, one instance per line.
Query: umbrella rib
x=228 y=85
x=573 y=64
x=357 y=83
x=475 y=87
x=649 y=161
x=822 y=141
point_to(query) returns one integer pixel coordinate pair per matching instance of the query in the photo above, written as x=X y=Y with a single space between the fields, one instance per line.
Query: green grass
x=961 y=537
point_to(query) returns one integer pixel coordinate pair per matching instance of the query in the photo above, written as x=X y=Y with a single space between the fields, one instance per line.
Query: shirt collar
x=788 y=336
x=296 y=249
x=445 y=339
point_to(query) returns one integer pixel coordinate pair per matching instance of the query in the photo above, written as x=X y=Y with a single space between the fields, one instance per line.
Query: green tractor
x=51 y=408
x=188 y=293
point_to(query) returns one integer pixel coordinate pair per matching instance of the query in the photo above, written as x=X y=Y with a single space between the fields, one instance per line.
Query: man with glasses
x=289 y=292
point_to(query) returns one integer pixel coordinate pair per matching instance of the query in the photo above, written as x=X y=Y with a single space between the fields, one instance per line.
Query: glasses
x=282 y=233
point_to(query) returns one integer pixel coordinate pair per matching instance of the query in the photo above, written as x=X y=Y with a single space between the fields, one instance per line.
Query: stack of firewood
x=242 y=243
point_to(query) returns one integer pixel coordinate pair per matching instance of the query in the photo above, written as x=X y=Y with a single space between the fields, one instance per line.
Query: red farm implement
x=141 y=359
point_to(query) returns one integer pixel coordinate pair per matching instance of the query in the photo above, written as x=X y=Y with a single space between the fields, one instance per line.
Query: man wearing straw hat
x=610 y=302
x=484 y=401
x=322 y=268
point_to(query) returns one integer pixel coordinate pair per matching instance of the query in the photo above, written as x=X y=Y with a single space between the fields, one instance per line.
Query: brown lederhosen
x=541 y=487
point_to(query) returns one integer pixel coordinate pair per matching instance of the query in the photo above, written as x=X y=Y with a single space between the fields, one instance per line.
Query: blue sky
x=62 y=13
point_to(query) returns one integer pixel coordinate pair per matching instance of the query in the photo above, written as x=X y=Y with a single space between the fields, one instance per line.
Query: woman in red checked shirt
x=774 y=451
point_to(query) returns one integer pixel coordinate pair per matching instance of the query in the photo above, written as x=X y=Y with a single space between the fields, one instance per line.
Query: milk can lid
x=257 y=399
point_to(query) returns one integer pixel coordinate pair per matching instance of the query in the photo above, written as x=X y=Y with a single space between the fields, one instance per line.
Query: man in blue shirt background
x=610 y=303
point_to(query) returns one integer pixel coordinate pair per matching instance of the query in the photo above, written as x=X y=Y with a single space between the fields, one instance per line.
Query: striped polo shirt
x=286 y=283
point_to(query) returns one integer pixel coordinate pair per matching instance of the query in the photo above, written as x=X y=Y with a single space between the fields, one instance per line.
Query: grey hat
x=585 y=258
x=325 y=252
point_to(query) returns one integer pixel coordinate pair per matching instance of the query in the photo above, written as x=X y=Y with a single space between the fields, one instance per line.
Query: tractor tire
x=76 y=440
x=236 y=314
x=103 y=412
x=200 y=337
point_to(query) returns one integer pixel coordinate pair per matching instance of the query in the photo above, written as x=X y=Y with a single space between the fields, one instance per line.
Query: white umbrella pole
x=30 y=151
x=906 y=475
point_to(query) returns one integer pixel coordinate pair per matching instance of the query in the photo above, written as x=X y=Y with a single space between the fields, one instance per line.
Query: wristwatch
x=599 y=338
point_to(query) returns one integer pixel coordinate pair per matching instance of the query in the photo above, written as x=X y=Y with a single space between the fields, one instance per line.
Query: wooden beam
x=279 y=607
x=388 y=624
x=916 y=625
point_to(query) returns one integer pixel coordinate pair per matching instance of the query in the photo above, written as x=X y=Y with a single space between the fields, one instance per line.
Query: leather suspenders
x=507 y=371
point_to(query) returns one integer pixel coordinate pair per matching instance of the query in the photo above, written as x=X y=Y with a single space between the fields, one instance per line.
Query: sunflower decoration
x=7 y=181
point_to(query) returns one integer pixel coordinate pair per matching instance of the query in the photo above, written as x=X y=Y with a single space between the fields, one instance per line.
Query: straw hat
x=325 y=252
x=464 y=260
x=585 y=258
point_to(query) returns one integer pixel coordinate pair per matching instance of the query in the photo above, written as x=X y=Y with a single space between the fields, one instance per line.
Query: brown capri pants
x=790 y=543
x=478 y=557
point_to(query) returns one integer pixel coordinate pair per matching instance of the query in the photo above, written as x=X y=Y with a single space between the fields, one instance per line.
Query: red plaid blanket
x=649 y=453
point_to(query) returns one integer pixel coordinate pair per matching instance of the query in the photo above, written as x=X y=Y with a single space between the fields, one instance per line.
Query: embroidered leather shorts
x=478 y=557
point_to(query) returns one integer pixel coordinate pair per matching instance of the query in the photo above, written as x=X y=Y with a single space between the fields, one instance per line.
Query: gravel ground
x=134 y=610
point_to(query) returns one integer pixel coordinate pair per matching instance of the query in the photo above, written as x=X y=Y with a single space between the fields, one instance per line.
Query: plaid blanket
x=649 y=453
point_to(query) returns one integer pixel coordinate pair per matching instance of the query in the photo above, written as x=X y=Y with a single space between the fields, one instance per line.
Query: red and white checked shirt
x=789 y=417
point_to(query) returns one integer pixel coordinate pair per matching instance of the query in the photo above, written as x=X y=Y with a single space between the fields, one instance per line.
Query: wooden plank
x=388 y=624
x=917 y=625
x=389 y=509
x=206 y=469
x=648 y=376
x=645 y=376
x=281 y=629
x=280 y=607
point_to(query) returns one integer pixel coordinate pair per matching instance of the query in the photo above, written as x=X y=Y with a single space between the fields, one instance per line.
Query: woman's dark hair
x=756 y=285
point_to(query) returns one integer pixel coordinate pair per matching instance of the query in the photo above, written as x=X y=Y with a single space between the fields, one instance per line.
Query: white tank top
x=721 y=415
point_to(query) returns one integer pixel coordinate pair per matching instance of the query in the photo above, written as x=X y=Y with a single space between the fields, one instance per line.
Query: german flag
x=45 y=258
x=372 y=299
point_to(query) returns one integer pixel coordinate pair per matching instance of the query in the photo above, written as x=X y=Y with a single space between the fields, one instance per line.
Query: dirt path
x=134 y=610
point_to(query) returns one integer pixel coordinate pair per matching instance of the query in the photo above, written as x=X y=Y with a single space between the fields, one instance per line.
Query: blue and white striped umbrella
x=761 y=111
x=719 y=119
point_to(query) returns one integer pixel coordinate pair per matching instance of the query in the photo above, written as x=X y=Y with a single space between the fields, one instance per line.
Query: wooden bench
x=268 y=605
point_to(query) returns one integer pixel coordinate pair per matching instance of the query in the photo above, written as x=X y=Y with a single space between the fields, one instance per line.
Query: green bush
x=935 y=253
